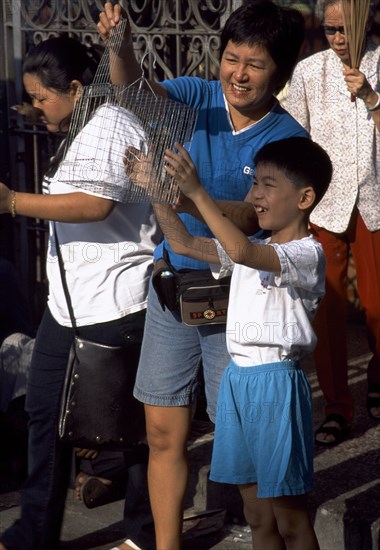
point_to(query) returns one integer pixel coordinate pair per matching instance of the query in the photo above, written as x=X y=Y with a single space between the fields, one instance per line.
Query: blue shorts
x=264 y=430
x=171 y=356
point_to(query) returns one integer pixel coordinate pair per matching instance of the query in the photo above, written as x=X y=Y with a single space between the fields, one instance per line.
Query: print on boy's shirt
x=266 y=280
x=266 y=332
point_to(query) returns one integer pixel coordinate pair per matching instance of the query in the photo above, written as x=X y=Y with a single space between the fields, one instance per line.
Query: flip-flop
x=95 y=493
x=199 y=524
x=130 y=544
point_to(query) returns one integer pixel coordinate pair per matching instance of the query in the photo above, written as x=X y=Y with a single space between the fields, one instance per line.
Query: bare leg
x=294 y=523
x=167 y=432
x=259 y=515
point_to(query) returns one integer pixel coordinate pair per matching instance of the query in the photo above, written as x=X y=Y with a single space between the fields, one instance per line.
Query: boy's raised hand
x=181 y=167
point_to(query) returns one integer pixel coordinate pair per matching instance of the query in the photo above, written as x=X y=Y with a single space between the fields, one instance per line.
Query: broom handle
x=353 y=98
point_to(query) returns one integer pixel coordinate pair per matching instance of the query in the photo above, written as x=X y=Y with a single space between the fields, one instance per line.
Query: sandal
x=373 y=401
x=337 y=432
x=129 y=543
x=94 y=492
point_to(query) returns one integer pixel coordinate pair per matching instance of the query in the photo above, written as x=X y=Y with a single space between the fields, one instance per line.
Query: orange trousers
x=331 y=320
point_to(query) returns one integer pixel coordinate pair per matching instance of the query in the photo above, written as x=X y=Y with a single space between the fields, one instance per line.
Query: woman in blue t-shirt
x=238 y=114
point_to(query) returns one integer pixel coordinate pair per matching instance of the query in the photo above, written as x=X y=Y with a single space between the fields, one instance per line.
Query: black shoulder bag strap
x=64 y=282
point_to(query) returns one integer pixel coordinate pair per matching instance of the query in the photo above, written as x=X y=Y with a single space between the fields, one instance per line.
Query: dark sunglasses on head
x=332 y=30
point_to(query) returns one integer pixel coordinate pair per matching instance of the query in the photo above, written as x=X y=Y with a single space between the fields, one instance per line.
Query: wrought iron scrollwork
x=182 y=34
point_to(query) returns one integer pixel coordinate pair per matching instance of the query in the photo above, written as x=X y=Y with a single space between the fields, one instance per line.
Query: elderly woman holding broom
x=335 y=95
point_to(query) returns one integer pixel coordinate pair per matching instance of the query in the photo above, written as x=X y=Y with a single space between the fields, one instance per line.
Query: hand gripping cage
x=109 y=118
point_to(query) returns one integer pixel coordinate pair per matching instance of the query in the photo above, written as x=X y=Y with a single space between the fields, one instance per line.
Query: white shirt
x=107 y=263
x=270 y=317
x=318 y=98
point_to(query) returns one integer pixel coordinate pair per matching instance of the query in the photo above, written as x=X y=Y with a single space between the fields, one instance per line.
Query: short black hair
x=279 y=30
x=59 y=60
x=302 y=160
x=56 y=62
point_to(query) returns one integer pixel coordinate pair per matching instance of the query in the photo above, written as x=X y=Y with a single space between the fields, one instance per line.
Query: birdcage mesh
x=107 y=120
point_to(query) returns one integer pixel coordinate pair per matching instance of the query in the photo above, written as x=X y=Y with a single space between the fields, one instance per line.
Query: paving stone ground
x=345 y=503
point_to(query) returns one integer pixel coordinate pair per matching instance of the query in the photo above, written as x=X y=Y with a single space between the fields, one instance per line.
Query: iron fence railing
x=181 y=35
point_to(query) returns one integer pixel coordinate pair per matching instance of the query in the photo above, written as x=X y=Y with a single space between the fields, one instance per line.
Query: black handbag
x=98 y=410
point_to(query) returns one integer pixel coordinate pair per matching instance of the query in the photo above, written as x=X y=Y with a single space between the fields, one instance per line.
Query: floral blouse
x=319 y=100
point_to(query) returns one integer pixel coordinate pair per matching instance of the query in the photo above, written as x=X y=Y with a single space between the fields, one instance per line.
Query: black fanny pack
x=196 y=294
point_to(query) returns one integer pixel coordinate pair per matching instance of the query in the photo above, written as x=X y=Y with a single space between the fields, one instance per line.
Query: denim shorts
x=263 y=430
x=171 y=356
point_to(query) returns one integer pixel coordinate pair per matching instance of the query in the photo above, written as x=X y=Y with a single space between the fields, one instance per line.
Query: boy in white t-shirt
x=263 y=436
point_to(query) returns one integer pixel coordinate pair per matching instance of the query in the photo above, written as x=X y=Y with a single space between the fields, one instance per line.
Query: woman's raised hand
x=139 y=168
x=109 y=19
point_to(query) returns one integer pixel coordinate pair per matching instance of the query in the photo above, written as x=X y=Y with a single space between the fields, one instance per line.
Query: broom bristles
x=355 y=17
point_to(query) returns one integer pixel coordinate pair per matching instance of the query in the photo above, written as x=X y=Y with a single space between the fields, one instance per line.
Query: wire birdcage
x=108 y=119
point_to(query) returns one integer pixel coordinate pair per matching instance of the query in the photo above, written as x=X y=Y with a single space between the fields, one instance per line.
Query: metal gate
x=182 y=34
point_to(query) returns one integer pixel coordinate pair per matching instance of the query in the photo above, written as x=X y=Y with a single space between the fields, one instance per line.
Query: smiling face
x=333 y=17
x=248 y=79
x=280 y=205
x=55 y=106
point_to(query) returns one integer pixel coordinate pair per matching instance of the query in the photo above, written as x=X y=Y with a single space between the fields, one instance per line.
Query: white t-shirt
x=107 y=263
x=269 y=317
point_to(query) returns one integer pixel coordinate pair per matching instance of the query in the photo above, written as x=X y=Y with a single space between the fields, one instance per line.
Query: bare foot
x=86 y=453
x=324 y=437
x=374 y=411
x=332 y=431
x=80 y=480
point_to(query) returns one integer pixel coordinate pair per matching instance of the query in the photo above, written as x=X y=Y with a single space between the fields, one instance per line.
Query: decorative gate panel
x=181 y=35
